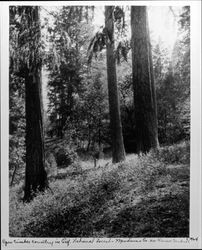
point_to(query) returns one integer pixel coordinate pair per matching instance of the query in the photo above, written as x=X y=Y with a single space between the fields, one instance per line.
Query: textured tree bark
x=35 y=174
x=145 y=132
x=118 y=151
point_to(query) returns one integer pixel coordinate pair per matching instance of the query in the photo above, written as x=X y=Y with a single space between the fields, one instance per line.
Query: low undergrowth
x=140 y=197
x=175 y=154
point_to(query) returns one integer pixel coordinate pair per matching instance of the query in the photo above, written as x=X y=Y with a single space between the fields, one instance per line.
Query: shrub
x=79 y=206
x=144 y=172
x=73 y=170
x=67 y=211
x=65 y=156
x=175 y=154
x=16 y=159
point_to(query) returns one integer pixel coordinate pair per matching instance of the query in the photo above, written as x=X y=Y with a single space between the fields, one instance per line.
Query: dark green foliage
x=65 y=156
x=102 y=37
x=25 y=48
x=16 y=104
x=97 y=44
x=64 y=85
x=118 y=14
x=173 y=92
x=122 y=51
x=95 y=125
x=170 y=108
x=16 y=158
x=77 y=98
x=16 y=128
x=66 y=63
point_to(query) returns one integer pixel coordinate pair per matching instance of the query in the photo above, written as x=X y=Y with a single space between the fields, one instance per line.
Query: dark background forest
x=99 y=124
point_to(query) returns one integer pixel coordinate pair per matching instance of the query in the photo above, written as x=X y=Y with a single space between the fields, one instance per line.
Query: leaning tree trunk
x=145 y=132
x=35 y=174
x=118 y=151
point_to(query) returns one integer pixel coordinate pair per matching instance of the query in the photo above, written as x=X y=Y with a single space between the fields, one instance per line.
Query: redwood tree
x=25 y=56
x=118 y=151
x=146 y=133
x=35 y=177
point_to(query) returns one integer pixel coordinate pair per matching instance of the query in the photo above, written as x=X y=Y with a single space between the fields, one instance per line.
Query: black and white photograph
x=103 y=135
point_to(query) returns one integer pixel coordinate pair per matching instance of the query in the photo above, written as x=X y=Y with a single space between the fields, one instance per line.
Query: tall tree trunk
x=35 y=174
x=118 y=151
x=146 y=132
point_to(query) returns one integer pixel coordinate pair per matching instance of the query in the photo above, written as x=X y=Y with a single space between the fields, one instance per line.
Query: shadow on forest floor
x=166 y=217
x=155 y=214
x=134 y=199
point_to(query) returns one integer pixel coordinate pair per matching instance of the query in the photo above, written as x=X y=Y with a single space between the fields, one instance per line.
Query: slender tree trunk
x=13 y=175
x=35 y=174
x=118 y=151
x=89 y=142
x=99 y=134
x=89 y=134
x=146 y=133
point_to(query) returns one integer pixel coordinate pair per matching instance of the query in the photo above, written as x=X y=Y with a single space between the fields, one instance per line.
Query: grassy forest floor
x=145 y=196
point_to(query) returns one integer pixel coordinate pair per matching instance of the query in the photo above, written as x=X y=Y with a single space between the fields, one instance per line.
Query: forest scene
x=99 y=121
